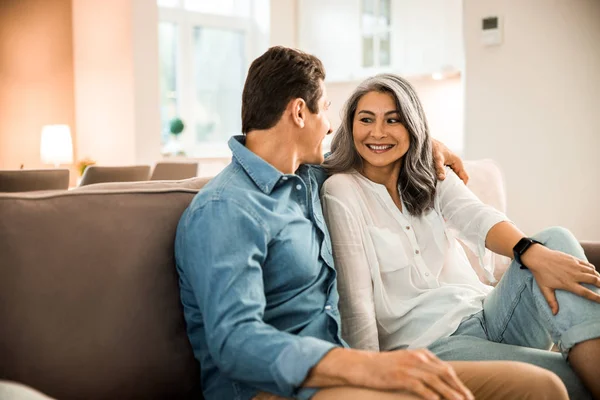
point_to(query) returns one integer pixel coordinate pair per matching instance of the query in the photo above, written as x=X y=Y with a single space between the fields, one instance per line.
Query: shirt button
x=298 y=187
x=328 y=307
x=285 y=178
x=426 y=273
x=416 y=251
x=408 y=228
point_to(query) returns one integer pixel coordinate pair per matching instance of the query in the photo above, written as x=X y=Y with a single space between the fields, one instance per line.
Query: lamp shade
x=56 y=146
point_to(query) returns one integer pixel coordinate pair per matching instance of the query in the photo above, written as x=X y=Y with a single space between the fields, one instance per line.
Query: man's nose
x=330 y=130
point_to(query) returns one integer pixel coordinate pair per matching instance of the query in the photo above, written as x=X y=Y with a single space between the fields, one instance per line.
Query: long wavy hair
x=417 y=179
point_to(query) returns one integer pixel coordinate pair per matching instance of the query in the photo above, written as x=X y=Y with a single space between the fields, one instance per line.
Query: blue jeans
x=517 y=324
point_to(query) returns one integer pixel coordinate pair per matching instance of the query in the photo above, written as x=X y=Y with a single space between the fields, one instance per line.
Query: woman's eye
x=393 y=121
x=366 y=120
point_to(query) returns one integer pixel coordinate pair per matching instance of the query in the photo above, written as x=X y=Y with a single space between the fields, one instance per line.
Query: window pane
x=369 y=20
x=167 y=46
x=384 y=12
x=384 y=49
x=219 y=72
x=235 y=8
x=368 y=50
x=368 y=7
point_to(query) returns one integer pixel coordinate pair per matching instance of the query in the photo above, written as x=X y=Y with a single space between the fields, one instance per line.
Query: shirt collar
x=264 y=175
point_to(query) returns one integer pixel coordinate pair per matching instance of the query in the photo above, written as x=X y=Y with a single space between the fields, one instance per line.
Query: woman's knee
x=559 y=238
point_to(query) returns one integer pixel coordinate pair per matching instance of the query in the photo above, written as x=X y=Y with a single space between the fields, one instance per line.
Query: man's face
x=316 y=127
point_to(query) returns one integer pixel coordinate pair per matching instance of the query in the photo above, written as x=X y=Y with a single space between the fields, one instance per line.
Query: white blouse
x=404 y=281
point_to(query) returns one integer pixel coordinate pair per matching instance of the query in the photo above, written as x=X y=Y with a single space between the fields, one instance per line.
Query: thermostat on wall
x=491 y=31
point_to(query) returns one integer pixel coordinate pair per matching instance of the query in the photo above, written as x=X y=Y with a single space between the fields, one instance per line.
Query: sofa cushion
x=89 y=300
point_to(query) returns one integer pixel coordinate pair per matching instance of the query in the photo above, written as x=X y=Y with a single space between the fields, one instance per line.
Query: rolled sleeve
x=291 y=366
x=223 y=248
x=472 y=219
x=483 y=254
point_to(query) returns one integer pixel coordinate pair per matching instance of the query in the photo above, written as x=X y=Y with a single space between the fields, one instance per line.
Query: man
x=256 y=270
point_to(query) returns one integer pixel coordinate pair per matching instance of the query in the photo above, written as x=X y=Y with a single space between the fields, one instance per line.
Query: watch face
x=522 y=245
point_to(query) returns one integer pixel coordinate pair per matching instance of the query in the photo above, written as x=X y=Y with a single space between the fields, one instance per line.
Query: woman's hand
x=554 y=270
x=443 y=156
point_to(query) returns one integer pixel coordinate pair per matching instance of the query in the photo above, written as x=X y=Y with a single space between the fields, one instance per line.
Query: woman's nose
x=378 y=131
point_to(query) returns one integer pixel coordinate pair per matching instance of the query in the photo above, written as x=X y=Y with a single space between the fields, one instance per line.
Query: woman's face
x=379 y=137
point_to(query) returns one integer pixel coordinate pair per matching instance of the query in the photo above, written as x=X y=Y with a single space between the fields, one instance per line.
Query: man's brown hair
x=274 y=79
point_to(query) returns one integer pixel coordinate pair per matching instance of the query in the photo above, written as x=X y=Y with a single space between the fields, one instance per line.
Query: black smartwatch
x=521 y=247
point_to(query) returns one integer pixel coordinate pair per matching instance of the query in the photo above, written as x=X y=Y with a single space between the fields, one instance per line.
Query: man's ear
x=298 y=111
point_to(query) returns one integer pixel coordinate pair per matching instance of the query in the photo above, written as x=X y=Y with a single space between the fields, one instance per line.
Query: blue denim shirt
x=257 y=279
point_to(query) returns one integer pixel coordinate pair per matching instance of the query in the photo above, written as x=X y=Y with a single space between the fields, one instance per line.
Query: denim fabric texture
x=517 y=324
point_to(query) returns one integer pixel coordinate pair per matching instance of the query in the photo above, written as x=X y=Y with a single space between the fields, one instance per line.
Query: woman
x=404 y=282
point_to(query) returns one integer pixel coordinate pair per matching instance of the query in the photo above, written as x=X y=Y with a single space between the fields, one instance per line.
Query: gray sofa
x=89 y=301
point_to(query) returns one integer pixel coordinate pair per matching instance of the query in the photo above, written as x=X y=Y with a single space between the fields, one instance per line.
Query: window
x=376 y=33
x=219 y=71
x=205 y=50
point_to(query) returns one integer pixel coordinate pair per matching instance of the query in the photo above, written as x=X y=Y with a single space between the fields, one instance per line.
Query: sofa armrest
x=592 y=252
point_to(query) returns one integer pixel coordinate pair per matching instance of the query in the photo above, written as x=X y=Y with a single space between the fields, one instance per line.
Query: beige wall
x=283 y=30
x=116 y=80
x=36 y=76
x=533 y=105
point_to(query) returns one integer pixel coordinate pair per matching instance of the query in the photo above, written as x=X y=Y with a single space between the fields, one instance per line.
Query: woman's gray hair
x=417 y=179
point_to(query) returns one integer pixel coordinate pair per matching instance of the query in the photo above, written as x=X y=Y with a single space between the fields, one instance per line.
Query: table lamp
x=56 y=146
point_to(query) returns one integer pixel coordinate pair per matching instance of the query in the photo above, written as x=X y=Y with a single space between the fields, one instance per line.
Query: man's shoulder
x=229 y=188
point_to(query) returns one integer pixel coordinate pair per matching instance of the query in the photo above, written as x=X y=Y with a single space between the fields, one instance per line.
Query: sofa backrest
x=28 y=180
x=89 y=300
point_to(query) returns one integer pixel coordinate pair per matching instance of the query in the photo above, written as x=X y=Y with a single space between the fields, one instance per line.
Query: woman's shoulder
x=451 y=180
x=340 y=185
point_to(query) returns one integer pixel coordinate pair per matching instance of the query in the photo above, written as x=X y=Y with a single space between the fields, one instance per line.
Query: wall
x=116 y=80
x=146 y=82
x=36 y=77
x=532 y=104
x=283 y=23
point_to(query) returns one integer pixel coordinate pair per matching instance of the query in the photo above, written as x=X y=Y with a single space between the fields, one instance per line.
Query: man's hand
x=554 y=270
x=417 y=371
x=443 y=156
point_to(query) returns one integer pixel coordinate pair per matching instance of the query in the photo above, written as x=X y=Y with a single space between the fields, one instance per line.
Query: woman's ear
x=298 y=112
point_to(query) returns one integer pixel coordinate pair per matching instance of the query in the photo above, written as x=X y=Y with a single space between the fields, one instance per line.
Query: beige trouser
x=488 y=380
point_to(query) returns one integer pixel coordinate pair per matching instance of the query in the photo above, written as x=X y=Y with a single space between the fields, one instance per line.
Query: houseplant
x=173 y=147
